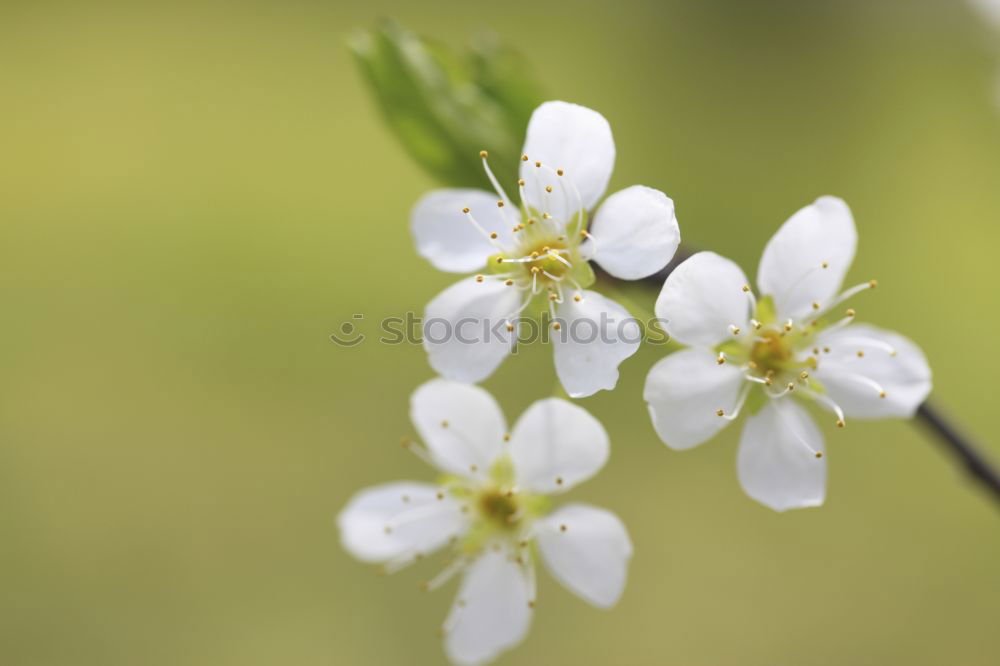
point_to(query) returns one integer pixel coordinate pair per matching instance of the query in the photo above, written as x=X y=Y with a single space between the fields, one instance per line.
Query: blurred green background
x=193 y=196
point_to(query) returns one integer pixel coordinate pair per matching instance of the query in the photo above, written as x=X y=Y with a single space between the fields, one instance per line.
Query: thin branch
x=974 y=462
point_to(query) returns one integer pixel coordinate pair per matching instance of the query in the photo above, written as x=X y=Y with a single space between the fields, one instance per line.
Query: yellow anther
x=444 y=424
x=556 y=325
x=791 y=386
x=538 y=165
x=479 y=278
x=553 y=296
x=545 y=249
x=546 y=216
x=535 y=269
x=826 y=350
x=819 y=454
x=815 y=305
x=548 y=188
x=788 y=325
x=499 y=260
x=534 y=255
x=440 y=495
x=510 y=327
x=559 y=481
x=719 y=412
x=768 y=381
x=506 y=437
x=881 y=394
x=465 y=210
x=559 y=172
x=752 y=365
x=500 y=204
x=861 y=353
x=840 y=423
x=509 y=283
x=721 y=358
x=520 y=181
x=746 y=288
x=577 y=297
x=873 y=283
x=804 y=375
x=493 y=235
x=825 y=265
x=483 y=154
x=562 y=528
x=531 y=220
x=736 y=330
x=850 y=312
x=524 y=158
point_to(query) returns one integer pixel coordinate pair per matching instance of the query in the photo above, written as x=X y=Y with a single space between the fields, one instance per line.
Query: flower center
x=501 y=508
x=772 y=353
x=542 y=253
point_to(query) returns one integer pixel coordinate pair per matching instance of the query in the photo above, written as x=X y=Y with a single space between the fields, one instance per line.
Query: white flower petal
x=702 y=298
x=636 y=232
x=446 y=237
x=465 y=331
x=595 y=336
x=587 y=549
x=854 y=382
x=684 y=392
x=461 y=425
x=395 y=519
x=791 y=268
x=556 y=445
x=491 y=612
x=575 y=139
x=777 y=461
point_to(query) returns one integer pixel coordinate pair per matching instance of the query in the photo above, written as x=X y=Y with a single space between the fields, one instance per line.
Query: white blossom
x=539 y=252
x=768 y=356
x=491 y=510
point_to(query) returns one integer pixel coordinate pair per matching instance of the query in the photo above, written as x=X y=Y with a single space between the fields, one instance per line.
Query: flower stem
x=974 y=462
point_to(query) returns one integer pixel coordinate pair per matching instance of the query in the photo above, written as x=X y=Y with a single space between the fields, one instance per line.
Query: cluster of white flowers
x=490 y=506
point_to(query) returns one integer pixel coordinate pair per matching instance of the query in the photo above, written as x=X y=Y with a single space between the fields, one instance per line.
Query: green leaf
x=446 y=106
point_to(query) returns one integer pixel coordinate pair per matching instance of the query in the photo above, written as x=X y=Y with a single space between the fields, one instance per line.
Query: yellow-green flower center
x=498 y=507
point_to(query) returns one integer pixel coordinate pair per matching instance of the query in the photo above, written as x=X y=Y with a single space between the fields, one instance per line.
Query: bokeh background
x=194 y=195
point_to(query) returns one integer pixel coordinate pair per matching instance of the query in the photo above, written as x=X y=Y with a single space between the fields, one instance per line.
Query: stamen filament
x=753 y=303
x=826 y=400
x=856 y=289
x=860 y=379
x=493 y=179
x=740 y=401
x=869 y=342
x=445 y=575
x=488 y=236
x=801 y=440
